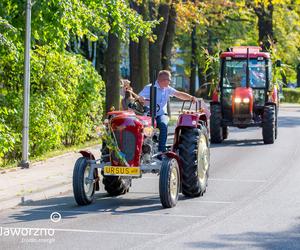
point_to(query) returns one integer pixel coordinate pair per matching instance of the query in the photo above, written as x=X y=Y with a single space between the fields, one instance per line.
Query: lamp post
x=25 y=135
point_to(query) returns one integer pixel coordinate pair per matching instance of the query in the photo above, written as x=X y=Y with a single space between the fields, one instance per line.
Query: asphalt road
x=252 y=202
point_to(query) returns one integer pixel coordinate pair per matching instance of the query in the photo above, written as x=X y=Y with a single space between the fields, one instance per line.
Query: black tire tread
x=78 y=189
x=269 y=125
x=188 y=143
x=164 y=184
x=216 y=132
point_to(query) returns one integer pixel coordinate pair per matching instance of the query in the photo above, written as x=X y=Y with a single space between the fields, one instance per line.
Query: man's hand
x=185 y=96
x=141 y=100
x=194 y=99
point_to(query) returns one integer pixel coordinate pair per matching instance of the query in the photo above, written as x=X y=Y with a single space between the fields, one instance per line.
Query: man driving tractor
x=164 y=91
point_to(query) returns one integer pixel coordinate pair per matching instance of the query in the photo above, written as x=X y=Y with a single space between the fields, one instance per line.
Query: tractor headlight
x=246 y=100
x=237 y=100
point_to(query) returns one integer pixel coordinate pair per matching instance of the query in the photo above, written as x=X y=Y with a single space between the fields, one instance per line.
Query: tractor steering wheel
x=138 y=107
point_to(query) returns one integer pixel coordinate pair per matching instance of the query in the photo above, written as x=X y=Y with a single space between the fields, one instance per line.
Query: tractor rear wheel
x=194 y=156
x=169 y=182
x=216 y=131
x=116 y=185
x=83 y=191
x=269 y=125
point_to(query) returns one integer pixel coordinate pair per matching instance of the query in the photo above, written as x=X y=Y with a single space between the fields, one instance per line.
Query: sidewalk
x=41 y=181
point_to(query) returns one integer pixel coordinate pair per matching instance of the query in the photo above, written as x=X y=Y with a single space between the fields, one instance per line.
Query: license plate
x=122 y=171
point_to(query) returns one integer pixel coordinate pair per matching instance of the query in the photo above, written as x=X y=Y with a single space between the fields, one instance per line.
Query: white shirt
x=162 y=97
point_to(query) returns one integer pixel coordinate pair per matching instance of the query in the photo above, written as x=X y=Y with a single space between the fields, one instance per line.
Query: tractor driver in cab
x=256 y=77
x=164 y=91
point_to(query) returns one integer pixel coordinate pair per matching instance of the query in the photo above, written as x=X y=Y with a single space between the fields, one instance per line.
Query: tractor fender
x=87 y=154
x=188 y=120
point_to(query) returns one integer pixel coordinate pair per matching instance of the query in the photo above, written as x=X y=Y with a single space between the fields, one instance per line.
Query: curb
x=27 y=199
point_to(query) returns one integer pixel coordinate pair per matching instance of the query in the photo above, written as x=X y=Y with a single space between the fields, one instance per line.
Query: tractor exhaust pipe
x=153 y=100
x=248 y=70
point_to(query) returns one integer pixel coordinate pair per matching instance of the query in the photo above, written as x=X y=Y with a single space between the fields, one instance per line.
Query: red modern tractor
x=182 y=169
x=245 y=96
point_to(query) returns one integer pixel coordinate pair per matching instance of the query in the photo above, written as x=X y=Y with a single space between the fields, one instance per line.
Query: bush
x=291 y=95
x=66 y=102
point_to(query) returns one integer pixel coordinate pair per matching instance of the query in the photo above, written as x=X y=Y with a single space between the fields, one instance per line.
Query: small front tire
x=169 y=182
x=83 y=191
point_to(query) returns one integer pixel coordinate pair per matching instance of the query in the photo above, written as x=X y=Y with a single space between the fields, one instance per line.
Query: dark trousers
x=162 y=124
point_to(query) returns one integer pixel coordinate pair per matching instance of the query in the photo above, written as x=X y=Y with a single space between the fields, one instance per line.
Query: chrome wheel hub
x=174 y=181
x=202 y=157
x=88 y=186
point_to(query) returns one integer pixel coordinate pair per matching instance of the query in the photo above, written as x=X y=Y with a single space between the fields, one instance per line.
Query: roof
x=241 y=52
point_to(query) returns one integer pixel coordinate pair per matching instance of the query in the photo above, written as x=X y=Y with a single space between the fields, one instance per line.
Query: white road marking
x=236 y=180
x=124 y=213
x=108 y=232
x=94 y=231
x=198 y=201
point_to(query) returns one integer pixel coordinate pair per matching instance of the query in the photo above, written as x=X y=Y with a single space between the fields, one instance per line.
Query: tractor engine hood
x=128 y=131
x=242 y=105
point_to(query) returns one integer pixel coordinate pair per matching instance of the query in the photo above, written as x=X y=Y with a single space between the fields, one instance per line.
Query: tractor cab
x=244 y=91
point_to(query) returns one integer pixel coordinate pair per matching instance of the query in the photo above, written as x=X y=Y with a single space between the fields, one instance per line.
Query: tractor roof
x=241 y=52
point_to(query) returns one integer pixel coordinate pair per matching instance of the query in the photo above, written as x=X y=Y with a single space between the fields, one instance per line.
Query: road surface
x=252 y=202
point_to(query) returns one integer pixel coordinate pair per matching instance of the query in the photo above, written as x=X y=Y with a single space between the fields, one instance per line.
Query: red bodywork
x=190 y=119
x=131 y=124
x=241 y=52
x=242 y=93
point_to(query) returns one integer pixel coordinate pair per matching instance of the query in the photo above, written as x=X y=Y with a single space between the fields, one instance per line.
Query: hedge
x=291 y=95
x=66 y=103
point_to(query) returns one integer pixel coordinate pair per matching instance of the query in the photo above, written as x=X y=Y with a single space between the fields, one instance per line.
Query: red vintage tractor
x=245 y=96
x=182 y=169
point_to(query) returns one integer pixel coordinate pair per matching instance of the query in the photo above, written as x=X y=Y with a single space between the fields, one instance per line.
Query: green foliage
x=65 y=105
x=291 y=95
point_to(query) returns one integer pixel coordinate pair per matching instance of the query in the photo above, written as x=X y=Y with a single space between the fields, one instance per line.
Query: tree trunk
x=112 y=63
x=169 y=40
x=155 y=49
x=193 y=62
x=100 y=55
x=265 y=25
x=298 y=75
x=139 y=67
x=134 y=64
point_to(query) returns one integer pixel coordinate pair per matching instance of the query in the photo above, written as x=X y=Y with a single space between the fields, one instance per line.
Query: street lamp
x=25 y=135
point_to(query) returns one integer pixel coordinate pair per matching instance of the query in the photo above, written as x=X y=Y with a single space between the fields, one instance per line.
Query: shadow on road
x=289 y=239
x=67 y=207
x=239 y=143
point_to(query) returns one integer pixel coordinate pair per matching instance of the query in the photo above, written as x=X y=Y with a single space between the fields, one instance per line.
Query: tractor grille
x=126 y=142
x=242 y=109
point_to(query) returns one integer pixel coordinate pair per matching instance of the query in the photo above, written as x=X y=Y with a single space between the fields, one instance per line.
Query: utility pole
x=25 y=136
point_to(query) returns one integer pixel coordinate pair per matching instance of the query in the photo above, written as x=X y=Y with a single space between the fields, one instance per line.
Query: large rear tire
x=194 y=156
x=116 y=185
x=225 y=132
x=216 y=131
x=83 y=191
x=269 y=125
x=169 y=182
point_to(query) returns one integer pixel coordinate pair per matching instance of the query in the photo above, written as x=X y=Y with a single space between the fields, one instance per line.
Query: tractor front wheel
x=225 y=132
x=216 y=131
x=82 y=189
x=269 y=125
x=169 y=180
